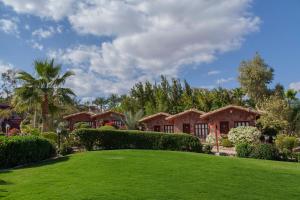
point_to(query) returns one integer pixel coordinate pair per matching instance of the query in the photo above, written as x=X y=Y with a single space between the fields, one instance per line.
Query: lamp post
x=7 y=127
x=217 y=141
x=58 y=131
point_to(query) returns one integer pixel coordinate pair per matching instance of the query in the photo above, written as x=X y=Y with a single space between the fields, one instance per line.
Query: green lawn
x=162 y=175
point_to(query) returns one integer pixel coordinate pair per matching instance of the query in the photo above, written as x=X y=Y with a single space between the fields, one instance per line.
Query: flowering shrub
x=109 y=124
x=13 y=132
x=211 y=139
x=244 y=134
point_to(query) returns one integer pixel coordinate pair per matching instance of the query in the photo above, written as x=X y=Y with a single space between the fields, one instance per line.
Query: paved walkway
x=225 y=151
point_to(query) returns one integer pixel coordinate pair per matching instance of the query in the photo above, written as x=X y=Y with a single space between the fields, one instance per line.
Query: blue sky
x=112 y=44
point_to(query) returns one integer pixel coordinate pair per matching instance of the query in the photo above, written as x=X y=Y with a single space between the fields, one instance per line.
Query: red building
x=95 y=120
x=201 y=124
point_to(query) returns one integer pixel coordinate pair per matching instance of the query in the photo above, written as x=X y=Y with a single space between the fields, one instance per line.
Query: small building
x=95 y=120
x=11 y=121
x=185 y=121
x=158 y=123
x=201 y=124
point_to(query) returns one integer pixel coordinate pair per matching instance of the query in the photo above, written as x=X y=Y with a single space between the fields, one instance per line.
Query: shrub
x=66 y=149
x=79 y=125
x=107 y=127
x=53 y=137
x=13 y=132
x=207 y=148
x=285 y=145
x=19 y=150
x=243 y=150
x=225 y=142
x=211 y=139
x=265 y=151
x=244 y=134
x=119 y=139
x=29 y=130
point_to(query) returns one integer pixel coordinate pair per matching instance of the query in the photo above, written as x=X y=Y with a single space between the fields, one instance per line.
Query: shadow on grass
x=51 y=161
x=4 y=192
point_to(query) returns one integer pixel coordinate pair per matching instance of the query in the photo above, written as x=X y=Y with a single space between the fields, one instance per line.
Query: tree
x=255 y=76
x=9 y=83
x=291 y=96
x=100 y=102
x=132 y=119
x=45 y=88
x=275 y=114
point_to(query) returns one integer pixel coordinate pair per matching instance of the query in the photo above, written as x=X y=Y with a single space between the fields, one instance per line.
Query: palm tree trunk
x=34 y=117
x=45 y=112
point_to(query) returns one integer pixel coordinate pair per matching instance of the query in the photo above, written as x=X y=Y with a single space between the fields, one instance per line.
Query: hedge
x=20 y=150
x=125 y=139
x=258 y=151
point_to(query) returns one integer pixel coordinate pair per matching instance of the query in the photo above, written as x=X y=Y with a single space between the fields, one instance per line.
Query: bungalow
x=95 y=120
x=12 y=120
x=201 y=124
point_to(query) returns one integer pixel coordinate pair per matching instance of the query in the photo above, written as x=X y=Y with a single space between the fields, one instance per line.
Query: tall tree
x=8 y=83
x=101 y=102
x=46 y=88
x=255 y=76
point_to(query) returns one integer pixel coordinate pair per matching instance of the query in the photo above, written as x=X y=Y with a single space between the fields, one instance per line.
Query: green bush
x=53 y=137
x=66 y=149
x=19 y=150
x=207 y=148
x=120 y=139
x=285 y=145
x=107 y=127
x=244 y=134
x=265 y=151
x=244 y=150
x=79 y=125
x=226 y=142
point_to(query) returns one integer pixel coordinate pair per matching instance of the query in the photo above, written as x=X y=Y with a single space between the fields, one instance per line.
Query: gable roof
x=154 y=116
x=76 y=114
x=106 y=113
x=193 y=110
x=250 y=110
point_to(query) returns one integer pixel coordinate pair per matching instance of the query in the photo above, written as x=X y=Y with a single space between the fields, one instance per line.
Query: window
x=169 y=129
x=117 y=123
x=241 y=123
x=201 y=130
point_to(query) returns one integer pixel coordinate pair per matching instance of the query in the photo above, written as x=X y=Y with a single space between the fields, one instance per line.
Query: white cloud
x=224 y=80
x=43 y=33
x=9 y=26
x=51 y=9
x=149 y=37
x=295 y=86
x=213 y=72
x=4 y=66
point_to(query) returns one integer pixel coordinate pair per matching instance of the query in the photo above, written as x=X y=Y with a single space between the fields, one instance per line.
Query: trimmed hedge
x=258 y=151
x=121 y=139
x=19 y=150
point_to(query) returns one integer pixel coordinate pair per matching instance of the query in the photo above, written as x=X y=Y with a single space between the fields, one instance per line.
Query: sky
x=111 y=45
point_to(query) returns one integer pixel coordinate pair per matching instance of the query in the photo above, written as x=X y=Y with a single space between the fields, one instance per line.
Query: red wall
x=157 y=121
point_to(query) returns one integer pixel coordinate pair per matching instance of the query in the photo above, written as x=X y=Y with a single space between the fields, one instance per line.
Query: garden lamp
x=58 y=131
x=7 y=127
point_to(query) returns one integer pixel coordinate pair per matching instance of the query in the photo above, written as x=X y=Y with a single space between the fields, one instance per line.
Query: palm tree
x=132 y=119
x=100 y=102
x=45 y=88
x=291 y=96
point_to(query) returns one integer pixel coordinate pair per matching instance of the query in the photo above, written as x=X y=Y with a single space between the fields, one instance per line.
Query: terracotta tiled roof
x=107 y=112
x=250 y=110
x=185 y=112
x=78 y=113
x=153 y=116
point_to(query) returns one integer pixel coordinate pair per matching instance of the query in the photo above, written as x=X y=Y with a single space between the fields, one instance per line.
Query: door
x=224 y=127
x=156 y=128
x=186 y=128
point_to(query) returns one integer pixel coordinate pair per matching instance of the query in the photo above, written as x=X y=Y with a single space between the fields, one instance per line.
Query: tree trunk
x=34 y=117
x=45 y=112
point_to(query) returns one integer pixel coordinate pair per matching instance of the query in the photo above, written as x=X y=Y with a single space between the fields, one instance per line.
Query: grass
x=162 y=175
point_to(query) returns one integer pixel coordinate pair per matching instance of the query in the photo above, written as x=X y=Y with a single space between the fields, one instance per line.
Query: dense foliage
x=258 y=151
x=19 y=150
x=117 y=139
x=244 y=134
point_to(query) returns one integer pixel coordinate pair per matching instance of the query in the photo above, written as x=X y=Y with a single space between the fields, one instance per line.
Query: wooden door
x=224 y=127
x=156 y=128
x=186 y=128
